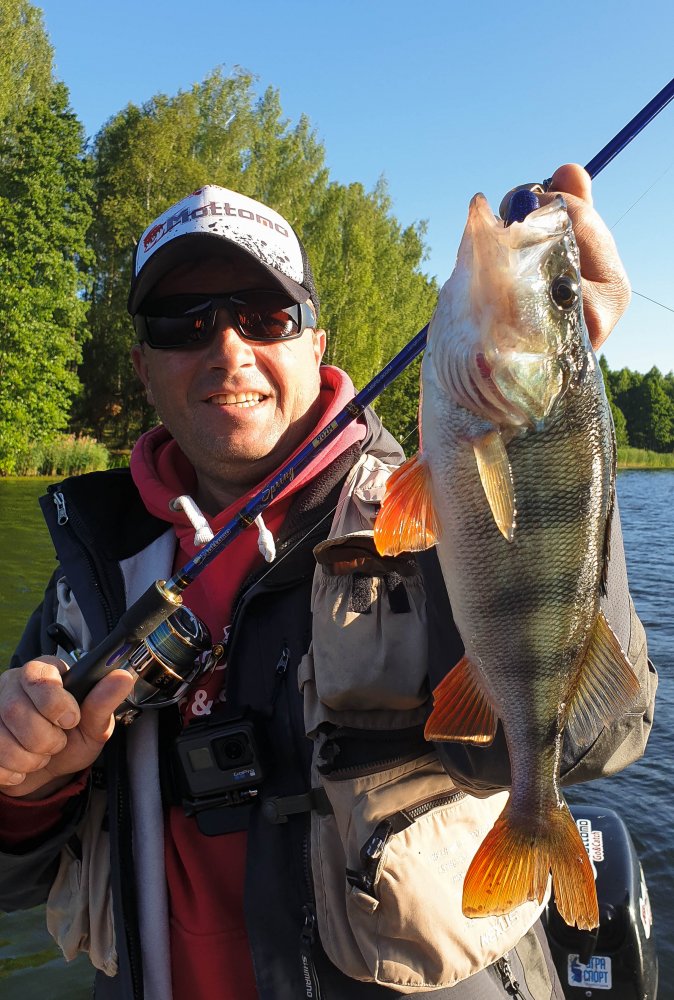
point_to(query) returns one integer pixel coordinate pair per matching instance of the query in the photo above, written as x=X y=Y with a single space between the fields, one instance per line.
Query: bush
x=63 y=456
x=639 y=458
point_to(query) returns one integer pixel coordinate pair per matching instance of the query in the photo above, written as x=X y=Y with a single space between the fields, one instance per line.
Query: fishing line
x=643 y=195
x=654 y=301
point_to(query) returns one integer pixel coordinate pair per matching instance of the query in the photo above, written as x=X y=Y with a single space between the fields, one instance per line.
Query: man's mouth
x=238 y=399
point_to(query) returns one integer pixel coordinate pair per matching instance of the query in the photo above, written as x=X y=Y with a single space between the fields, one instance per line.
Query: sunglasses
x=190 y=320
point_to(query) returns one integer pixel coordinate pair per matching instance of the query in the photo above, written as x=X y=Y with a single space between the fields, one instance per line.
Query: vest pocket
x=388 y=867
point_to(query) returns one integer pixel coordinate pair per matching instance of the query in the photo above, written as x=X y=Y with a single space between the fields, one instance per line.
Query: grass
x=66 y=455
x=637 y=458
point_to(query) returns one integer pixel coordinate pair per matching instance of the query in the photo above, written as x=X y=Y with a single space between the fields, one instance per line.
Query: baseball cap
x=216 y=221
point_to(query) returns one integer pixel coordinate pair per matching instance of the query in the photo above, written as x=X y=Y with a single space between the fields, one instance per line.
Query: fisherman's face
x=237 y=408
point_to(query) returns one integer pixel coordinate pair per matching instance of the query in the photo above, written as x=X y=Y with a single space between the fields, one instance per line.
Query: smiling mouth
x=239 y=399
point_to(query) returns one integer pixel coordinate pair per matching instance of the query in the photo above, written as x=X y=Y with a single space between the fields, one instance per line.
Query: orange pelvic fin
x=496 y=477
x=462 y=711
x=607 y=686
x=407 y=521
x=513 y=863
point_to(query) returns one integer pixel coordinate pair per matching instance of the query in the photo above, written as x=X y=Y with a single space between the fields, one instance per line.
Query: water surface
x=30 y=965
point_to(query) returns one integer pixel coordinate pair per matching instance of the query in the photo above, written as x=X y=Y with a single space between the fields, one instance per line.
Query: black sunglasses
x=190 y=320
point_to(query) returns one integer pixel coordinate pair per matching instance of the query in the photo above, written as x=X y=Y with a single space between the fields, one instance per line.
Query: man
x=170 y=893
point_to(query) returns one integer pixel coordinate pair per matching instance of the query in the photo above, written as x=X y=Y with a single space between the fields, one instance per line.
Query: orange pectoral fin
x=407 y=521
x=462 y=712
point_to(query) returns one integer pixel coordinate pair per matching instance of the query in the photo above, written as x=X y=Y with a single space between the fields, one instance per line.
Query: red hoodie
x=205 y=875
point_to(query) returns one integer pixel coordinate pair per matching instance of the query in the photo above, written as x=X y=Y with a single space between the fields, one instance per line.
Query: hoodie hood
x=162 y=472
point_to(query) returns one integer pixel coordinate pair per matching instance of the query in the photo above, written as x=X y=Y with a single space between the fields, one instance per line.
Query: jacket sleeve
x=28 y=870
x=483 y=770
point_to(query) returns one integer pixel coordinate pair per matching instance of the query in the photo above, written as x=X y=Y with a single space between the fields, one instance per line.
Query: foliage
x=146 y=158
x=65 y=455
x=25 y=62
x=619 y=422
x=367 y=269
x=373 y=296
x=647 y=404
x=637 y=458
x=44 y=215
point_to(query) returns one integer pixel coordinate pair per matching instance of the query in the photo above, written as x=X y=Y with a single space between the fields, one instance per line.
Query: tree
x=44 y=214
x=367 y=268
x=653 y=421
x=26 y=60
x=367 y=271
x=147 y=158
x=619 y=422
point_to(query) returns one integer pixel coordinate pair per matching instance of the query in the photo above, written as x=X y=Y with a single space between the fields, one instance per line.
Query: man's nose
x=227 y=341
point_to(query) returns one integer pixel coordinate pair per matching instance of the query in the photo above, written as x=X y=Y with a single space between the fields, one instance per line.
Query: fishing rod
x=159 y=639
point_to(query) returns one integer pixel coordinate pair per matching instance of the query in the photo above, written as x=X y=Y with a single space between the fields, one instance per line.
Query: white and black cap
x=213 y=221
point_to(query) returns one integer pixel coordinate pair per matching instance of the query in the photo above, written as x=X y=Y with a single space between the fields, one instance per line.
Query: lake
x=29 y=962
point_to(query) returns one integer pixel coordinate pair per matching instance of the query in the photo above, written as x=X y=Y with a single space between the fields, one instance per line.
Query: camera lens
x=233 y=750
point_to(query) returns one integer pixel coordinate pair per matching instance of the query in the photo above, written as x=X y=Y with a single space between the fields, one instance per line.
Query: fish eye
x=564 y=292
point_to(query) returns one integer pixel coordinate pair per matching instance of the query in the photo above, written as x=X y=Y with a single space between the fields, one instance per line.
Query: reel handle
x=150 y=610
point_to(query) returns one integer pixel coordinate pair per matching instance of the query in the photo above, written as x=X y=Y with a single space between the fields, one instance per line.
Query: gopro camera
x=217 y=770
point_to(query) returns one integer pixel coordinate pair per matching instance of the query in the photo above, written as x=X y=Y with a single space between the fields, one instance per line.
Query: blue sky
x=441 y=98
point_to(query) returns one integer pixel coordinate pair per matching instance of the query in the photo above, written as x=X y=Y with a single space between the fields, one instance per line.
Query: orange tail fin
x=513 y=863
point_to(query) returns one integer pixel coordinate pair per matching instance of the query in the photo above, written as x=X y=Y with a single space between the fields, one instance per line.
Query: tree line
x=642 y=407
x=70 y=211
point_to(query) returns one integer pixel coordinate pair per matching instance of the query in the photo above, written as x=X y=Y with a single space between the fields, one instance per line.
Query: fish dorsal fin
x=607 y=686
x=461 y=710
x=407 y=521
x=496 y=477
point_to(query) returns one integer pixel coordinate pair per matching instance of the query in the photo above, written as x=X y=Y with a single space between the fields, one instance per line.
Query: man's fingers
x=572 y=179
x=42 y=682
x=96 y=722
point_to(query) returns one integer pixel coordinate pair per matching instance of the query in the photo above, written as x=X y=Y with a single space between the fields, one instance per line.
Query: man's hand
x=606 y=289
x=46 y=738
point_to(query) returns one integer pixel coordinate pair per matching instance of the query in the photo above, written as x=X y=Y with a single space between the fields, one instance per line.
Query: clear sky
x=443 y=98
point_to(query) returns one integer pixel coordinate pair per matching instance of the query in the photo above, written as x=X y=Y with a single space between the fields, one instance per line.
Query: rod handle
x=150 y=610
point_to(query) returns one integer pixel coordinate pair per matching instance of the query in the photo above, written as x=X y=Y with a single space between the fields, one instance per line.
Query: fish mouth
x=508 y=356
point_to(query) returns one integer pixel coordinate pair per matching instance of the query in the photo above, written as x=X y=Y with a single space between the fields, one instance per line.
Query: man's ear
x=142 y=369
x=319 y=340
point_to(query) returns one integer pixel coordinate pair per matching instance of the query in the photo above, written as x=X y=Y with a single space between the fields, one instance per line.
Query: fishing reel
x=166 y=662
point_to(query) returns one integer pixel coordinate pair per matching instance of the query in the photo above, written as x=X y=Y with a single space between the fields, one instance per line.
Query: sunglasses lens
x=190 y=320
x=266 y=316
x=178 y=321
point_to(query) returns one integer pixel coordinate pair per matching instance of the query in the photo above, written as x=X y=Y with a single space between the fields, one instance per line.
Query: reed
x=638 y=458
x=66 y=455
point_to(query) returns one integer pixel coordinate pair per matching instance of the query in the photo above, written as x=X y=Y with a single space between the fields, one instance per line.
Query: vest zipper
x=510 y=984
x=69 y=520
x=61 y=512
x=312 y=988
x=373 y=848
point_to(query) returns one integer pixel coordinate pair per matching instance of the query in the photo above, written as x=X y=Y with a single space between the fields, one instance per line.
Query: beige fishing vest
x=405 y=928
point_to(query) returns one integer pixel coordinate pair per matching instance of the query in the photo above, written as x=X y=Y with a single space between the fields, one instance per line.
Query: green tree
x=44 y=214
x=653 y=420
x=148 y=157
x=619 y=421
x=25 y=59
x=374 y=296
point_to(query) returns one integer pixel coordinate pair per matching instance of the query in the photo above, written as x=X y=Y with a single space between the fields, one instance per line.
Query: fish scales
x=515 y=484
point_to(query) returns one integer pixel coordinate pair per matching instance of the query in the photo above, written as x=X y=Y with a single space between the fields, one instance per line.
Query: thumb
x=97 y=721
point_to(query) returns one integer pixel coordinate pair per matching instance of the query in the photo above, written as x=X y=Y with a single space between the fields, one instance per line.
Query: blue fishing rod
x=159 y=639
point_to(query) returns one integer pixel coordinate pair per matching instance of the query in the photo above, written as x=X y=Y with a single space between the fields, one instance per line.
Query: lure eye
x=564 y=292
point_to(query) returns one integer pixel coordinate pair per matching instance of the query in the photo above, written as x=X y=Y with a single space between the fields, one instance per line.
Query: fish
x=514 y=484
